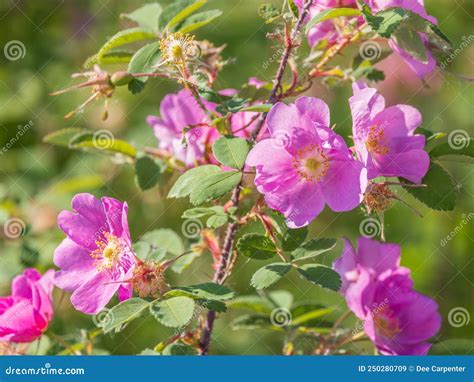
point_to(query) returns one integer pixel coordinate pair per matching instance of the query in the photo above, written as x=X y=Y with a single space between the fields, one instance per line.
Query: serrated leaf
x=313 y=248
x=321 y=275
x=440 y=192
x=178 y=11
x=147 y=173
x=174 y=312
x=103 y=143
x=199 y=212
x=206 y=291
x=231 y=151
x=179 y=349
x=256 y=246
x=135 y=86
x=213 y=305
x=216 y=220
x=384 y=22
x=269 y=275
x=146 y=16
x=144 y=60
x=330 y=14
x=164 y=241
x=64 y=136
x=292 y=238
x=214 y=186
x=411 y=42
x=116 y=318
x=185 y=182
x=253 y=303
x=124 y=37
x=199 y=20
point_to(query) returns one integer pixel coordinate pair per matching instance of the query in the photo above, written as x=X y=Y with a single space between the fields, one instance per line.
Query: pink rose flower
x=385 y=139
x=96 y=258
x=177 y=112
x=304 y=164
x=26 y=314
x=397 y=319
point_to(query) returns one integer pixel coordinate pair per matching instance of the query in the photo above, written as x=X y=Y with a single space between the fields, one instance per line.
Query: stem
x=221 y=272
x=335 y=50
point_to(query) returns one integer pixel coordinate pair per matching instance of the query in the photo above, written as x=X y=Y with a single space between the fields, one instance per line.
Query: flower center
x=311 y=163
x=108 y=252
x=375 y=142
x=386 y=324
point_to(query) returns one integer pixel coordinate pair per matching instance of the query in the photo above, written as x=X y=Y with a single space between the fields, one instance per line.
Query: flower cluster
x=305 y=165
x=397 y=318
x=332 y=32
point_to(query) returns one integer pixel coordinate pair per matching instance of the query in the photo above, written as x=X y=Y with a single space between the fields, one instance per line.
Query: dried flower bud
x=148 y=279
x=378 y=197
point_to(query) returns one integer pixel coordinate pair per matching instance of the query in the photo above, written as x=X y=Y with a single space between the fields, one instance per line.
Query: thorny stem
x=221 y=272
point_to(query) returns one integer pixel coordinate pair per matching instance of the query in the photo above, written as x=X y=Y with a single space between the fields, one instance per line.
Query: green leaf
x=163 y=242
x=321 y=275
x=251 y=322
x=440 y=192
x=116 y=56
x=330 y=14
x=252 y=303
x=309 y=315
x=178 y=11
x=77 y=184
x=454 y=346
x=104 y=142
x=214 y=186
x=256 y=246
x=313 y=248
x=179 y=349
x=146 y=16
x=411 y=42
x=464 y=148
x=384 y=22
x=174 y=312
x=206 y=291
x=144 y=60
x=199 y=212
x=116 y=318
x=124 y=37
x=269 y=275
x=292 y=238
x=199 y=20
x=64 y=136
x=147 y=172
x=185 y=182
x=280 y=298
x=135 y=86
x=213 y=305
x=217 y=220
x=231 y=151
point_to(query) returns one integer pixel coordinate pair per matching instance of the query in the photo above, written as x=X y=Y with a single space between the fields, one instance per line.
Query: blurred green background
x=37 y=180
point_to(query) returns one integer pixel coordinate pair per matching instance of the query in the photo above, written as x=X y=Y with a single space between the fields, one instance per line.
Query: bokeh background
x=37 y=180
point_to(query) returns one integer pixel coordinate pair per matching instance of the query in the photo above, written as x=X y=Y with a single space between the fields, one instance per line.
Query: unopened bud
x=121 y=78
